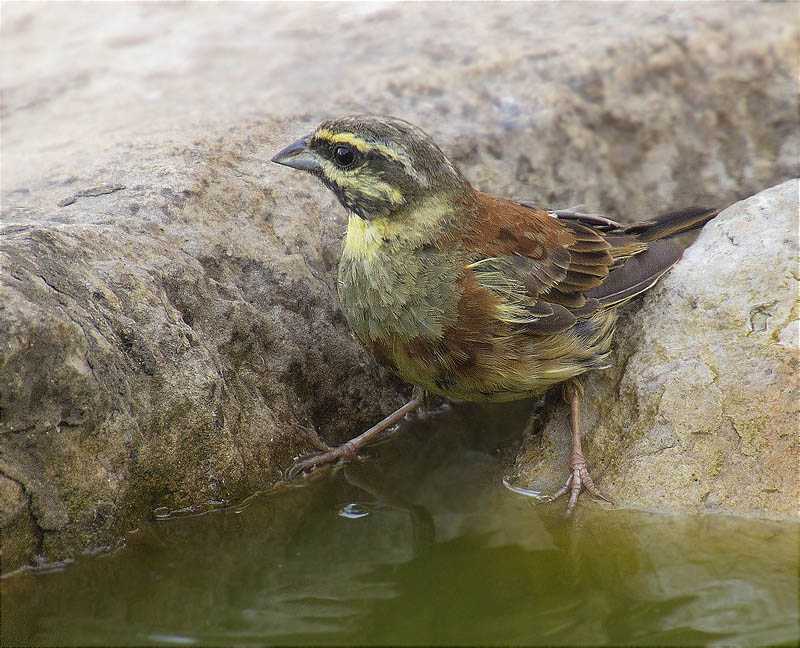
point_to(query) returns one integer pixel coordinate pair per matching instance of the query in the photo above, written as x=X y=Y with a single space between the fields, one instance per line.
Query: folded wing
x=552 y=269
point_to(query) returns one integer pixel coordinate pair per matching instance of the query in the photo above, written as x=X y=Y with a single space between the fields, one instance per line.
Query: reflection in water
x=421 y=544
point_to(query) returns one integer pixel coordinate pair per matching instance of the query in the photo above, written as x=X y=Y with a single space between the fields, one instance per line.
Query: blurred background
x=622 y=106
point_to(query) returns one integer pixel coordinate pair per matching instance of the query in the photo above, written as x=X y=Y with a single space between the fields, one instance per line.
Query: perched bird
x=468 y=295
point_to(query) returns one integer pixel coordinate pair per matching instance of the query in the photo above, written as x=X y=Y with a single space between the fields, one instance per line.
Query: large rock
x=627 y=108
x=699 y=410
x=169 y=322
x=170 y=344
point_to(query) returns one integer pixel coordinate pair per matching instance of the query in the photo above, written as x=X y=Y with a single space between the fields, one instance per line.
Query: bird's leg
x=579 y=477
x=351 y=448
x=423 y=410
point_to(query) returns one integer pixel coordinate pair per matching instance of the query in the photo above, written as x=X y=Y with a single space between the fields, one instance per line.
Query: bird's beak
x=298 y=156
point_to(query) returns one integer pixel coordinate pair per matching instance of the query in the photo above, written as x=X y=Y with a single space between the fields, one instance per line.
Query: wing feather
x=551 y=269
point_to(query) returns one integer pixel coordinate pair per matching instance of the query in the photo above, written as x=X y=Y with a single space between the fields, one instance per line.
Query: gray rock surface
x=699 y=411
x=169 y=324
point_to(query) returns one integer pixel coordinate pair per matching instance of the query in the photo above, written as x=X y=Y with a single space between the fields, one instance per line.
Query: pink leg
x=351 y=449
x=579 y=477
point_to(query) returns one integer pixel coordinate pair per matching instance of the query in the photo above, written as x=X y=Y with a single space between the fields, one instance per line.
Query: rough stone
x=174 y=355
x=169 y=324
x=699 y=410
x=627 y=108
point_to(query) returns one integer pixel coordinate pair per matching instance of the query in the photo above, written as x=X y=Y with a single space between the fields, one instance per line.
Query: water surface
x=421 y=544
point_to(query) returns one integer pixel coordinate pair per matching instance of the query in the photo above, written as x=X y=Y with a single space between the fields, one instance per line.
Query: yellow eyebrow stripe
x=360 y=143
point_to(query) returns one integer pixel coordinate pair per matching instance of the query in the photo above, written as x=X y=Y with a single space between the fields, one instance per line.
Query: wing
x=641 y=255
x=538 y=265
x=550 y=269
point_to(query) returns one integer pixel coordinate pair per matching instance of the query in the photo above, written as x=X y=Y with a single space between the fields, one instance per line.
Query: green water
x=421 y=545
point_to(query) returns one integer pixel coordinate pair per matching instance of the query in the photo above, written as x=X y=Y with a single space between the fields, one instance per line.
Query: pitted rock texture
x=699 y=410
x=172 y=344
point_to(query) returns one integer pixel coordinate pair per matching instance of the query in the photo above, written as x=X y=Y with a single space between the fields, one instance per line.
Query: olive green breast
x=398 y=292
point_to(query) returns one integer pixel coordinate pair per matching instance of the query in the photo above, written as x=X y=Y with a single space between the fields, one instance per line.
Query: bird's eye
x=344 y=155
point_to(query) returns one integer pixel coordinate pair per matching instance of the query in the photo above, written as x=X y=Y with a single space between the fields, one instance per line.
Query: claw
x=579 y=478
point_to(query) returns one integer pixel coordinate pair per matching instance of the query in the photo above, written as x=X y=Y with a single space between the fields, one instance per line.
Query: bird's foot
x=579 y=479
x=346 y=451
x=350 y=449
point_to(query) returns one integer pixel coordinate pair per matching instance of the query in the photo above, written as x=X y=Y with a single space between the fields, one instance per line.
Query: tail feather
x=671 y=224
x=639 y=273
x=642 y=268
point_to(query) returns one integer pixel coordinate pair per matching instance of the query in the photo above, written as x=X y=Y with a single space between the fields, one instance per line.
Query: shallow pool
x=421 y=544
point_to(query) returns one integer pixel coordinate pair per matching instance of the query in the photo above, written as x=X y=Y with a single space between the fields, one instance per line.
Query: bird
x=468 y=295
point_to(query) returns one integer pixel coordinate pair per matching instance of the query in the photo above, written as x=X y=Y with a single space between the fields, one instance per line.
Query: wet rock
x=699 y=410
x=169 y=325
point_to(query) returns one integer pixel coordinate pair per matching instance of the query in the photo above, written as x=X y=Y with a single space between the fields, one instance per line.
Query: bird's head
x=377 y=166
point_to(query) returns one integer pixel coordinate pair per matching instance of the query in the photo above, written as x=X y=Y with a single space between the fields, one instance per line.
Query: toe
x=589 y=485
x=299 y=466
x=561 y=491
x=573 y=496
